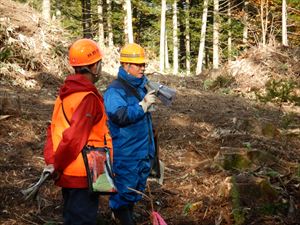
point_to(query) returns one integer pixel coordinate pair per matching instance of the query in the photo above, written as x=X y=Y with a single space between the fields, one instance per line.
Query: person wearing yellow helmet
x=127 y=105
x=78 y=120
x=133 y=59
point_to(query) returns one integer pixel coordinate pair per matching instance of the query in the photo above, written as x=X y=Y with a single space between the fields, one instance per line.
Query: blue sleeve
x=119 y=110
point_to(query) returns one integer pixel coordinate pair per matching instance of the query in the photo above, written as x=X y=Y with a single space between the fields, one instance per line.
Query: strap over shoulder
x=123 y=84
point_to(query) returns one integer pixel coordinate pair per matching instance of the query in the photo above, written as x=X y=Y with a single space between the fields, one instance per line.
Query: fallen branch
x=2 y=117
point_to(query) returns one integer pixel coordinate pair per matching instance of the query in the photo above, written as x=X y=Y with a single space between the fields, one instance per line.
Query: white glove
x=49 y=169
x=148 y=100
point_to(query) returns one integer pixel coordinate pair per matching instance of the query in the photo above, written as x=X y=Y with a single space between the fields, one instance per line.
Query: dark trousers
x=124 y=215
x=80 y=206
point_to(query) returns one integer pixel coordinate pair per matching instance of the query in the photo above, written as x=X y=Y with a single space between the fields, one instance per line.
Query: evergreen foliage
x=146 y=24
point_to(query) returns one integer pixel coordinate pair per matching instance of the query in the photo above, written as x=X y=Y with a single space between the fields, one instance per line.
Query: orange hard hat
x=132 y=53
x=84 y=52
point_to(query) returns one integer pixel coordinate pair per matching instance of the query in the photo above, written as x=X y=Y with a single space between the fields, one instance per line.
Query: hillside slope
x=228 y=158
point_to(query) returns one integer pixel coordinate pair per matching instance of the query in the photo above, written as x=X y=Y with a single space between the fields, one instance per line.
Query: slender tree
x=162 y=36
x=187 y=39
x=166 y=53
x=229 y=31
x=128 y=21
x=100 y=23
x=58 y=9
x=175 y=39
x=264 y=11
x=86 y=18
x=109 y=24
x=46 y=10
x=245 y=22
x=202 y=38
x=284 y=24
x=216 y=26
x=125 y=22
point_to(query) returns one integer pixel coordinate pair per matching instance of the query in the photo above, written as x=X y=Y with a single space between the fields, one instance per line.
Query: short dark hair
x=83 y=69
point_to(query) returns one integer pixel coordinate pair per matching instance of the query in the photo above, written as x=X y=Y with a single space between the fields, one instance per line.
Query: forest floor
x=229 y=159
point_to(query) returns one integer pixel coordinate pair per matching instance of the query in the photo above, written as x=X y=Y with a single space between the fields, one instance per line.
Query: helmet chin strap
x=98 y=69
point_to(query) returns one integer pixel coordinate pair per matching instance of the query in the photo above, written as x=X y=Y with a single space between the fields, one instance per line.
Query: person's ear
x=93 y=67
x=126 y=67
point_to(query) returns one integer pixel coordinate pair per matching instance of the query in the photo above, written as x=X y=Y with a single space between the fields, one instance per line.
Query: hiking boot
x=124 y=215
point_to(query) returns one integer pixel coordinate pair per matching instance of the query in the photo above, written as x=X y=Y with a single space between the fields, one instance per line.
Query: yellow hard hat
x=132 y=53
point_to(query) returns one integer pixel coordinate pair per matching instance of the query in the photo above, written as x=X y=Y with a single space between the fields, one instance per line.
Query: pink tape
x=157 y=219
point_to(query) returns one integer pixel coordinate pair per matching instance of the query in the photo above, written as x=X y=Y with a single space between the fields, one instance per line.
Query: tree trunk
x=58 y=9
x=109 y=25
x=89 y=18
x=202 y=38
x=167 y=64
x=128 y=21
x=216 y=35
x=46 y=10
x=229 y=31
x=245 y=22
x=187 y=39
x=101 y=26
x=284 y=24
x=175 y=39
x=125 y=23
x=264 y=11
x=162 y=36
x=86 y=18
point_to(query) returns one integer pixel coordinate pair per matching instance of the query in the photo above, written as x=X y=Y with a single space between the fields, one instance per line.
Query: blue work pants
x=129 y=174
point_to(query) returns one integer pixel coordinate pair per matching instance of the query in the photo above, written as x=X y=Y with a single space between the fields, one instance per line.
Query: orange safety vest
x=98 y=135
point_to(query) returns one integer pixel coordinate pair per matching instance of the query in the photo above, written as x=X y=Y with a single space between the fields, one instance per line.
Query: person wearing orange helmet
x=78 y=120
x=127 y=105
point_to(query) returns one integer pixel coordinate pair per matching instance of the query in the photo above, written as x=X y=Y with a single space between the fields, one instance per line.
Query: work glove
x=33 y=190
x=148 y=100
x=48 y=169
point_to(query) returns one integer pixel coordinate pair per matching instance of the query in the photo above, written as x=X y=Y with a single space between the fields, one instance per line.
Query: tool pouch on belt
x=99 y=170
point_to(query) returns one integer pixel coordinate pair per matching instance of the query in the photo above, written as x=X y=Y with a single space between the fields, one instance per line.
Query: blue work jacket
x=130 y=127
